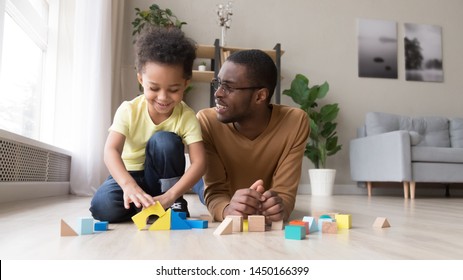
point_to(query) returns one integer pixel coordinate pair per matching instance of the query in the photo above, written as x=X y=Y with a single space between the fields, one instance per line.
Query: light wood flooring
x=424 y=228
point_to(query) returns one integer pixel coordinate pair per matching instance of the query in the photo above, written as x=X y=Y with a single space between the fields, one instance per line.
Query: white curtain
x=87 y=113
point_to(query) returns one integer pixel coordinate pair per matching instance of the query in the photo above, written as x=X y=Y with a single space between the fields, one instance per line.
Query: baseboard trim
x=15 y=191
x=390 y=189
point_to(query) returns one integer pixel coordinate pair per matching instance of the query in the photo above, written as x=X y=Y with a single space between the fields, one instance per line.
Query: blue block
x=85 y=226
x=182 y=215
x=312 y=224
x=294 y=232
x=197 y=223
x=100 y=226
x=176 y=222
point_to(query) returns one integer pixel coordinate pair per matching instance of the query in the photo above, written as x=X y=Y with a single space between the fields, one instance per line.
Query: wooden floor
x=424 y=228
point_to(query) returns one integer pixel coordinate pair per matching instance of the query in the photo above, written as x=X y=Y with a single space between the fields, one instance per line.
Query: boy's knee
x=165 y=140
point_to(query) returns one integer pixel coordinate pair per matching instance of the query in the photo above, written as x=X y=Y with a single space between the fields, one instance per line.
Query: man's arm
x=288 y=173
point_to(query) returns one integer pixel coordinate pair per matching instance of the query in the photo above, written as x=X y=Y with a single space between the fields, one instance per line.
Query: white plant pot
x=322 y=181
x=202 y=68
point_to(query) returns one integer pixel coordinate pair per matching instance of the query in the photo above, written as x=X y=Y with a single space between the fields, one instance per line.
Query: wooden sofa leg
x=369 y=188
x=412 y=189
x=405 y=189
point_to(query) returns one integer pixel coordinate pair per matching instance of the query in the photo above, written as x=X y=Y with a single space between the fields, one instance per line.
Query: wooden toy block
x=208 y=218
x=330 y=227
x=237 y=223
x=301 y=223
x=176 y=222
x=344 y=221
x=313 y=225
x=100 y=226
x=256 y=223
x=226 y=227
x=181 y=215
x=278 y=225
x=317 y=214
x=197 y=223
x=245 y=225
x=141 y=218
x=295 y=232
x=381 y=222
x=321 y=221
x=85 y=226
x=66 y=230
x=163 y=222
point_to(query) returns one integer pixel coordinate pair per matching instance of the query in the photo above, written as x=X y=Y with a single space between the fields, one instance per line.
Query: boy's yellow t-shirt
x=133 y=121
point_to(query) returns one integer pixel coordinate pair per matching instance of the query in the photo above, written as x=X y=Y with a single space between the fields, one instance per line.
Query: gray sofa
x=394 y=148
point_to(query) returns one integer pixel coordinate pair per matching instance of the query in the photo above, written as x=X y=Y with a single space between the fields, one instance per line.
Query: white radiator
x=31 y=169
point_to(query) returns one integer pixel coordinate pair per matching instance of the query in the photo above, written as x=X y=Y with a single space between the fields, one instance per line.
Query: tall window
x=23 y=51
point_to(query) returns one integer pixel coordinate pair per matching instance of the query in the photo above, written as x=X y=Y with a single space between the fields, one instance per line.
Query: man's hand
x=272 y=207
x=246 y=201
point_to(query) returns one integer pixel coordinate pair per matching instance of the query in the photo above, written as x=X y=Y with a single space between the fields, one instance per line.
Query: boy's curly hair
x=165 y=45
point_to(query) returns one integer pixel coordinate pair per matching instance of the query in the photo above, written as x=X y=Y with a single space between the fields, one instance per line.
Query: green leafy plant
x=203 y=63
x=155 y=16
x=323 y=141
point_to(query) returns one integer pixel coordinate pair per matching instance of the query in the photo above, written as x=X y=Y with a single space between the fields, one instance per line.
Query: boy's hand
x=137 y=196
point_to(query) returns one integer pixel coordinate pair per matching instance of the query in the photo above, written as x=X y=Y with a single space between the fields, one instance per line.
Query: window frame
x=44 y=33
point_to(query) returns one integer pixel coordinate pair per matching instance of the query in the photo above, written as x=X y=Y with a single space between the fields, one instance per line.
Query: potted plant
x=202 y=66
x=323 y=141
x=155 y=16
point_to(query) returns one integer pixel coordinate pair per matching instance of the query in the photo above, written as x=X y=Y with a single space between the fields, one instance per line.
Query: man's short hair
x=261 y=69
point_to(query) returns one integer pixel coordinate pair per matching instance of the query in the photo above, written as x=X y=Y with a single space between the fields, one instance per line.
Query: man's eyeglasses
x=226 y=89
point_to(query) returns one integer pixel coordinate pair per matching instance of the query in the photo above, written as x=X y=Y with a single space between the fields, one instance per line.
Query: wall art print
x=377 y=48
x=423 y=53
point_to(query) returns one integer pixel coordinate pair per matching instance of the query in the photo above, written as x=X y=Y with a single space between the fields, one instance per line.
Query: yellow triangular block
x=66 y=230
x=141 y=218
x=163 y=223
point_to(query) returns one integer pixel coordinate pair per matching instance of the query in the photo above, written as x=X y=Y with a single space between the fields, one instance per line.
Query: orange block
x=301 y=223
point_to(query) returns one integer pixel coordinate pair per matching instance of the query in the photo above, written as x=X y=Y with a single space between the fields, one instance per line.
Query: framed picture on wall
x=423 y=53
x=377 y=48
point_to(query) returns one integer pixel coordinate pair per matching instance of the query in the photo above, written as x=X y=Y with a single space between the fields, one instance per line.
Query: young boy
x=144 y=151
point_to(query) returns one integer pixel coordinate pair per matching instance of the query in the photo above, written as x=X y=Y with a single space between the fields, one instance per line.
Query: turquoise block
x=176 y=222
x=182 y=215
x=197 y=223
x=85 y=226
x=100 y=226
x=294 y=232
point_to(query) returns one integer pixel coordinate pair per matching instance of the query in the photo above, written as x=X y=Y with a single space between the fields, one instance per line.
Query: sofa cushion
x=377 y=123
x=456 y=133
x=437 y=154
x=433 y=130
x=415 y=138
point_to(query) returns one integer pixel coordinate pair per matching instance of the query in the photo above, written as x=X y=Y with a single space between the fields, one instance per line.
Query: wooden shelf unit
x=218 y=54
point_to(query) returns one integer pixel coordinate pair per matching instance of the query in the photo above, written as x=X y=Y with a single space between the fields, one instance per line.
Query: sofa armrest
x=381 y=158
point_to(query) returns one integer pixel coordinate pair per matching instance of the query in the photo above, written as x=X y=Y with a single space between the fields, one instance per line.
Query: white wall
x=319 y=40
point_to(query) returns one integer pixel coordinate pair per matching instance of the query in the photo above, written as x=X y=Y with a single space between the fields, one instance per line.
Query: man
x=254 y=149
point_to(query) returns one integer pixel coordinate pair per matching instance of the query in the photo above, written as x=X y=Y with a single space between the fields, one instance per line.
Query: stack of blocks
x=85 y=226
x=254 y=223
x=167 y=220
x=324 y=222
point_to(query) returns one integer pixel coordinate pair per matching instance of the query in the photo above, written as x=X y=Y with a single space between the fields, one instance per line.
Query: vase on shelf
x=223 y=35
